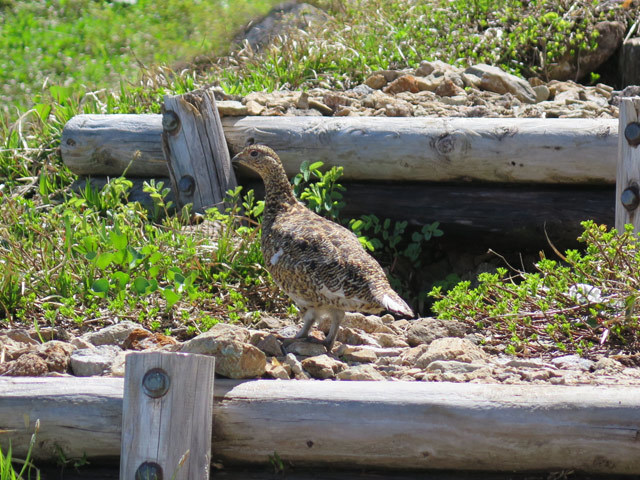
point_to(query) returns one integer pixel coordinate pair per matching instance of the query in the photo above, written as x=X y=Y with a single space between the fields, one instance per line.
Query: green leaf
x=120 y=279
x=118 y=240
x=104 y=260
x=140 y=285
x=100 y=286
x=170 y=296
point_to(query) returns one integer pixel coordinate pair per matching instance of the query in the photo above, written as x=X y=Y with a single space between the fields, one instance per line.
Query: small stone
x=497 y=80
x=426 y=330
x=389 y=75
x=88 y=362
x=452 y=366
x=254 y=108
x=608 y=365
x=366 y=323
x=305 y=348
x=333 y=101
x=142 y=339
x=267 y=322
x=388 y=340
x=80 y=342
x=277 y=372
x=234 y=357
x=360 y=372
x=296 y=367
x=470 y=80
x=303 y=101
x=231 y=108
x=56 y=355
x=451 y=348
x=270 y=345
x=359 y=355
x=19 y=335
x=399 y=108
x=573 y=362
x=27 y=365
x=112 y=335
x=321 y=107
x=351 y=336
x=449 y=89
x=406 y=83
x=322 y=366
x=117 y=368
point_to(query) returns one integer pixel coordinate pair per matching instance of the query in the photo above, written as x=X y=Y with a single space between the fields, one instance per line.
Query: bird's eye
x=254 y=153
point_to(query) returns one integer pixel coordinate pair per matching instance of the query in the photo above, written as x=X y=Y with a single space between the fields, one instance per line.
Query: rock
x=87 y=362
x=358 y=354
x=254 y=108
x=306 y=348
x=426 y=330
x=496 y=80
x=388 y=340
x=450 y=348
x=80 y=342
x=542 y=93
x=573 y=362
x=231 y=108
x=437 y=68
x=322 y=366
x=142 y=339
x=360 y=372
x=235 y=358
x=405 y=83
x=56 y=355
x=271 y=345
x=18 y=335
x=334 y=100
x=27 y=365
x=389 y=75
x=429 y=83
x=366 y=323
x=296 y=367
x=398 y=108
x=277 y=371
x=449 y=89
x=321 y=107
x=376 y=81
x=608 y=366
x=629 y=91
x=453 y=366
x=580 y=64
x=117 y=368
x=351 y=336
x=112 y=335
x=267 y=322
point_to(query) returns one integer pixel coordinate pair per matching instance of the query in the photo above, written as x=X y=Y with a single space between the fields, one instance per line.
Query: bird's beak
x=236 y=159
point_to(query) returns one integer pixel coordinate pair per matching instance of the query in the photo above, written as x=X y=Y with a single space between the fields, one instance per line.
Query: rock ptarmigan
x=319 y=264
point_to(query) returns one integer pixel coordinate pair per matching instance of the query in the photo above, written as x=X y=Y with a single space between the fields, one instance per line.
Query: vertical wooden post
x=196 y=151
x=167 y=416
x=628 y=175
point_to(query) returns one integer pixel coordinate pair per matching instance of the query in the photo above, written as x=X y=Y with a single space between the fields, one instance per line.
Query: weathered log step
x=506 y=150
x=397 y=425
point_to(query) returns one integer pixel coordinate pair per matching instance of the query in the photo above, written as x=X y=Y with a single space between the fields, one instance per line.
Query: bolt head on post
x=187 y=184
x=149 y=471
x=170 y=122
x=155 y=383
x=630 y=198
x=632 y=134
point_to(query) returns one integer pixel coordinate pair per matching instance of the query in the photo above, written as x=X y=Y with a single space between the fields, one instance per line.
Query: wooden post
x=628 y=175
x=196 y=150
x=167 y=416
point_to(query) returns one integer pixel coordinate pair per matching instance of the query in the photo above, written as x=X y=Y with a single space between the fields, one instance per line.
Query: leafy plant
x=320 y=190
x=28 y=471
x=584 y=303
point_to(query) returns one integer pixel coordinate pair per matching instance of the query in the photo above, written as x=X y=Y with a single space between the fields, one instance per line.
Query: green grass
x=91 y=45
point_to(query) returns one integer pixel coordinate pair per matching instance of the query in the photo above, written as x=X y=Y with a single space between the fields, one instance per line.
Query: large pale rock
x=358 y=354
x=296 y=367
x=360 y=372
x=27 y=365
x=112 y=335
x=451 y=348
x=235 y=358
x=306 y=348
x=322 y=366
x=231 y=108
x=270 y=345
x=56 y=355
x=87 y=362
x=426 y=330
x=497 y=80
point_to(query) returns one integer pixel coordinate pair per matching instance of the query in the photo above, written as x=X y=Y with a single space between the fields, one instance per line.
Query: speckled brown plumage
x=321 y=265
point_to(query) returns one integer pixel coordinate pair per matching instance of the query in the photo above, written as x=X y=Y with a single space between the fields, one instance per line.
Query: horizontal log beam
x=404 y=425
x=507 y=150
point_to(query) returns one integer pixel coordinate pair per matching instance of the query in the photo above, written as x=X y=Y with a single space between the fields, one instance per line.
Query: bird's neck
x=278 y=193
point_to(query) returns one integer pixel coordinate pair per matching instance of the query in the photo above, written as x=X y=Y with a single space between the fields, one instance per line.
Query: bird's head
x=259 y=158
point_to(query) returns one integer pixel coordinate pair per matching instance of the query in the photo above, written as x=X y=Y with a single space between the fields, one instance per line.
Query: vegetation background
x=80 y=259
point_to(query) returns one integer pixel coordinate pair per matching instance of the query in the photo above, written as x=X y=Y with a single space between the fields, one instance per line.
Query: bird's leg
x=308 y=319
x=336 y=319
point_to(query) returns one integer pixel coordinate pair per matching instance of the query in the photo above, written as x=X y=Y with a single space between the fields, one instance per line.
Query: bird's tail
x=393 y=303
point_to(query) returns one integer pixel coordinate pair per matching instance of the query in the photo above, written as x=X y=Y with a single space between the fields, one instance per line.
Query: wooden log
x=167 y=415
x=403 y=425
x=498 y=214
x=628 y=173
x=628 y=65
x=518 y=150
x=196 y=151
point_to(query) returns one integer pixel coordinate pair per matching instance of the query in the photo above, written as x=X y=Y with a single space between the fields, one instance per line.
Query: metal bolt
x=170 y=121
x=187 y=184
x=630 y=198
x=155 y=383
x=149 y=471
x=632 y=134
